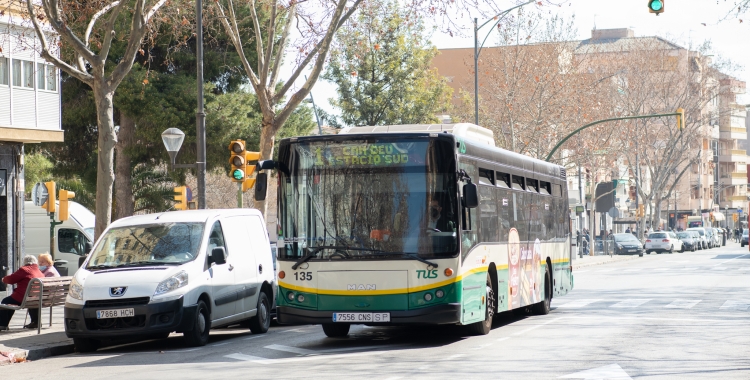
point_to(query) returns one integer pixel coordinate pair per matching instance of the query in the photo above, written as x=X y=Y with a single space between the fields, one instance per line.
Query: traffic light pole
x=559 y=144
x=239 y=195
x=52 y=225
x=200 y=116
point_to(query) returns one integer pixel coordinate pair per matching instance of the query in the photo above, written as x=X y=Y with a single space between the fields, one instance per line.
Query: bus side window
x=505 y=214
x=488 y=229
x=469 y=216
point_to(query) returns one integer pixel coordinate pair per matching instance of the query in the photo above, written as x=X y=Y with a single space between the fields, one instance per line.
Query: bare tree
x=75 y=27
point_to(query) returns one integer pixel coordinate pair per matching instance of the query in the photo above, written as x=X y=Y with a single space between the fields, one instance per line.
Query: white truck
x=72 y=237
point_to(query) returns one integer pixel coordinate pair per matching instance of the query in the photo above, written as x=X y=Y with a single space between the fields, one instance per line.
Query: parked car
x=689 y=241
x=187 y=271
x=663 y=241
x=718 y=236
x=743 y=240
x=627 y=244
x=703 y=236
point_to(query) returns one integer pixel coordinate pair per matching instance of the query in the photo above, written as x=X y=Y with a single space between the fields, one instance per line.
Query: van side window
x=216 y=238
x=71 y=241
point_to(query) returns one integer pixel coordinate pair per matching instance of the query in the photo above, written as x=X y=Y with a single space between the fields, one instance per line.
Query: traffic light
x=656 y=6
x=641 y=212
x=735 y=217
x=50 y=204
x=680 y=119
x=712 y=217
x=180 y=197
x=237 y=160
x=64 y=197
x=248 y=183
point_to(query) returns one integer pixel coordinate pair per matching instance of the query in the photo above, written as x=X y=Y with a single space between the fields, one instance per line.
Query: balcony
x=737 y=198
x=733 y=155
x=736 y=178
x=732 y=133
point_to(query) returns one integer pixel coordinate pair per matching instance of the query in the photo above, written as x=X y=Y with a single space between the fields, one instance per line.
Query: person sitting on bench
x=21 y=279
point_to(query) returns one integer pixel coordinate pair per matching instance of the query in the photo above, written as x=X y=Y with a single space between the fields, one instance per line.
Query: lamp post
x=478 y=49
x=200 y=115
x=173 y=138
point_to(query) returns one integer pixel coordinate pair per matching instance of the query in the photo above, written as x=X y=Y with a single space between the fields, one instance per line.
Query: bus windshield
x=368 y=198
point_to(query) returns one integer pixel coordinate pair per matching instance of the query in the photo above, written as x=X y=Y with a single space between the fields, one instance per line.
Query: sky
x=685 y=22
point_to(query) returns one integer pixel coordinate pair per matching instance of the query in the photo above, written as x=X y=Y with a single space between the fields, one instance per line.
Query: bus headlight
x=290 y=296
x=300 y=298
x=439 y=294
x=428 y=297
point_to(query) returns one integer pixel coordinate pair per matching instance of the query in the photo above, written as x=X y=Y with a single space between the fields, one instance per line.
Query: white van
x=71 y=237
x=184 y=271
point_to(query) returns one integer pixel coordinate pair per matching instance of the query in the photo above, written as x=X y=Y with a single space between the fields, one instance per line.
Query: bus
x=416 y=224
x=694 y=221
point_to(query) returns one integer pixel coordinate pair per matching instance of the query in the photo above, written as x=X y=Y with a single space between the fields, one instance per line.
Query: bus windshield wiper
x=412 y=256
x=314 y=252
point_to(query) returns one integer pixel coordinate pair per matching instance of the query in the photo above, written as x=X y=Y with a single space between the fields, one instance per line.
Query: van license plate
x=116 y=313
x=362 y=317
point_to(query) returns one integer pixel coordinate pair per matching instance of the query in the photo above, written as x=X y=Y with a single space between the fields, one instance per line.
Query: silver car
x=704 y=237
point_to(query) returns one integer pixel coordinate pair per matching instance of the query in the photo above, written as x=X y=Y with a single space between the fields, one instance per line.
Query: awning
x=719 y=217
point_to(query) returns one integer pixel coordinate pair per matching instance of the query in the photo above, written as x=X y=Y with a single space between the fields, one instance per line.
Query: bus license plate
x=116 y=313
x=362 y=317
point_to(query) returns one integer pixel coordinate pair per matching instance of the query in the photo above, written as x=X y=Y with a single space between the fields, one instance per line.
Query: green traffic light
x=656 y=5
x=238 y=174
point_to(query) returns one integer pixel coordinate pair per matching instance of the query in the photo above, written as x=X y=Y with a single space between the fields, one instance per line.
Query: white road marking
x=295 y=330
x=607 y=270
x=630 y=303
x=581 y=271
x=294 y=350
x=682 y=304
x=218 y=344
x=689 y=268
x=456 y=356
x=503 y=338
x=536 y=327
x=244 y=357
x=482 y=346
x=683 y=261
x=719 y=268
x=662 y=269
x=736 y=305
x=253 y=337
x=612 y=371
x=394 y=378
x=578 y=303
x=732 y=259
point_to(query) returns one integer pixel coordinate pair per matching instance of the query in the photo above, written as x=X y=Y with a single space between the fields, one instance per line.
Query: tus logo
x=360 y=287
x=427 y=273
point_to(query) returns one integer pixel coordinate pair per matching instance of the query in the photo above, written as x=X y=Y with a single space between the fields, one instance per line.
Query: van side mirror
x=471 y=197
x=261 y=186
x=217 y=256
x=87 y=247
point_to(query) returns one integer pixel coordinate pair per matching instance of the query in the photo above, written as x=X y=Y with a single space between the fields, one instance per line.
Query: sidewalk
x=21 y=344
x=588 y=261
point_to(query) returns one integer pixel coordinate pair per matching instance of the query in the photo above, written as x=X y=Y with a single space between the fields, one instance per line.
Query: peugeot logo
x=118 y=291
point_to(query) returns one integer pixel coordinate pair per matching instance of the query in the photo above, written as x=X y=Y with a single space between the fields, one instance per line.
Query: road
x=675 y=316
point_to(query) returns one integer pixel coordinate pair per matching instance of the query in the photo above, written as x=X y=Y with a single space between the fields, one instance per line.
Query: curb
x=611 y=260
x=21 y=355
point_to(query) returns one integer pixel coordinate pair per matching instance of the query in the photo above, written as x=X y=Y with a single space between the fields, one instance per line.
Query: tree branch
x=282 y=44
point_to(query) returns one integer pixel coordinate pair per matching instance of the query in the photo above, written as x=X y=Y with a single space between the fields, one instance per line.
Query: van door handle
x=231 y=267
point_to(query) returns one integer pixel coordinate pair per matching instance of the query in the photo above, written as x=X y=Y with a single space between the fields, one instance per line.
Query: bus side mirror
x=471 y=198
x=261 y=184
x=266 y=165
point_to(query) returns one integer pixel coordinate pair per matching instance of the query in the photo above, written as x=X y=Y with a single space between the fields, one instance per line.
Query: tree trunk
x=592 y=220
x=124 y=202
x=267 y=141
x=105 y=176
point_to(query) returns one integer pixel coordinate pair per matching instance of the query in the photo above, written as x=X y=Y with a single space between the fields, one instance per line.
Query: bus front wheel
x=484 y=327
x=336 y=330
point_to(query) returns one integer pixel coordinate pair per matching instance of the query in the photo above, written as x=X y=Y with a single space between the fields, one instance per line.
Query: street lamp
x=478 y=49
x=173 y=138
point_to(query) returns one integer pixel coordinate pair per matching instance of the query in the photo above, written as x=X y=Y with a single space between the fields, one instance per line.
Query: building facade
x=30 y=112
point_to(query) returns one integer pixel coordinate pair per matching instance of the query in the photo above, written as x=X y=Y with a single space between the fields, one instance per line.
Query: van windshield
x=155 y=244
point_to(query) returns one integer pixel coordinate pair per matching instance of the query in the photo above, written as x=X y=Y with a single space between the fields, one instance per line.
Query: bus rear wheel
x=543 y=308
x=484 y=327
x=336 y=330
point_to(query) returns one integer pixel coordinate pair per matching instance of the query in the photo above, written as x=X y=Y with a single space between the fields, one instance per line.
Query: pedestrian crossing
x=636 y=303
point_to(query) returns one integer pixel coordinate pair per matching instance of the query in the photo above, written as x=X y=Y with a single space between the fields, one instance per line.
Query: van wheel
x=484 y=327
x=85 y=345
x=198 y=335
x=260 y=323
x=543 y=308
x=336 y=330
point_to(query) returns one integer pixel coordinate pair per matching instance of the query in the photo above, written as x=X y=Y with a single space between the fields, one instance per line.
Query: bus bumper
x=434 y=315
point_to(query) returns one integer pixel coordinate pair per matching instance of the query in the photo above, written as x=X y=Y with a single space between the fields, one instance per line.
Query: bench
x=41 y=293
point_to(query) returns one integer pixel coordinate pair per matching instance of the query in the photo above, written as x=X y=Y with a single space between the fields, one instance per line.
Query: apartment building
x=30 y=113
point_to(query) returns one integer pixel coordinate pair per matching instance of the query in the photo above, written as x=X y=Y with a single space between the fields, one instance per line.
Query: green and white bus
x=417 y=224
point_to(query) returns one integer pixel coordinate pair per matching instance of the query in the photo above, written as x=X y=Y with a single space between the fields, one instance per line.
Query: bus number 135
x=303 y=276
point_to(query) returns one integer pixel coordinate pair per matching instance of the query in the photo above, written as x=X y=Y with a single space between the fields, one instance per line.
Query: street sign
x=614 y=212
x=189 y=194
x=579 y=210
x=39 y=194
